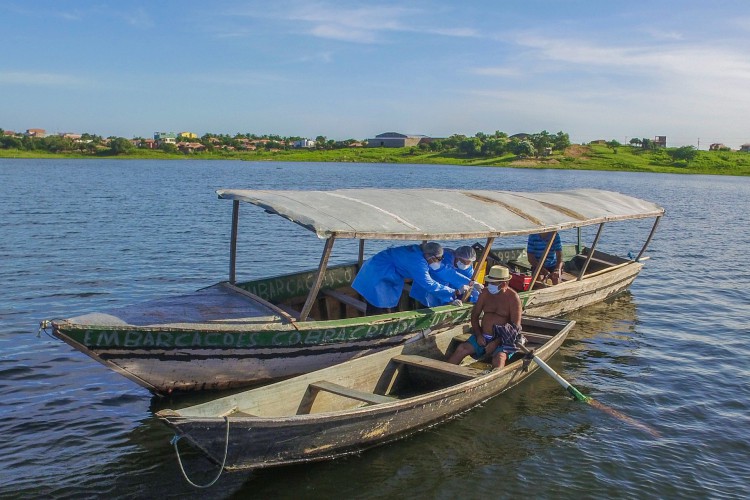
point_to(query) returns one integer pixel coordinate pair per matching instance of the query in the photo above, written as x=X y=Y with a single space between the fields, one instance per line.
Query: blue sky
x=595 y=69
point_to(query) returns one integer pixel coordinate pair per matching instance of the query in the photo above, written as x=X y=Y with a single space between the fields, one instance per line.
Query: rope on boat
x=43 y=326
x=221 y=469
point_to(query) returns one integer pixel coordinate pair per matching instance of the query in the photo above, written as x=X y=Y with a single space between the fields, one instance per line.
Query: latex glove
x=477 y=286
x=457 y=302
x=462 y=291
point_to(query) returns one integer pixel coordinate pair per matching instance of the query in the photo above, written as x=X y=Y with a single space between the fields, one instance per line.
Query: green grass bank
x=594 y=157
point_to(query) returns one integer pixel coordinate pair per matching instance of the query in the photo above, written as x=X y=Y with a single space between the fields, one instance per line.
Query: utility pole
x=699 y=143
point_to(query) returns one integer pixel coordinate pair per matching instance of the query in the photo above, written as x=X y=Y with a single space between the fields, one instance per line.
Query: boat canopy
x=443 y=214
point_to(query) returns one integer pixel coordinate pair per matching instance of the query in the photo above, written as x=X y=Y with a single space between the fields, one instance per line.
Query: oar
x=587 y=399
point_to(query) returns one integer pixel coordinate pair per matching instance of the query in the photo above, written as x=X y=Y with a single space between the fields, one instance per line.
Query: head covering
x=497 y=273
x=466 y=252
x=432 y=249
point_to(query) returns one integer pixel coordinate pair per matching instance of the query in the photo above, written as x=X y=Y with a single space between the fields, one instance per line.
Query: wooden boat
x=235 y=334
x=356 y=405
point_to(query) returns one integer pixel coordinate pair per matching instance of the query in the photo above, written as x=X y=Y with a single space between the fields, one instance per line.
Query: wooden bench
x=288 y=309
x=347 y=392
x=466 y=372
x=346 y=299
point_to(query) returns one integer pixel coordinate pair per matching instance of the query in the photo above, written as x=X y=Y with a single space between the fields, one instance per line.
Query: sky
x=595 y=69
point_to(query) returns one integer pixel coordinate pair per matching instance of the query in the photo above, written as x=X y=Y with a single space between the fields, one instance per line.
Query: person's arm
x=516 y=311
x=476 y=312
x=423 y=278
x=559 y=257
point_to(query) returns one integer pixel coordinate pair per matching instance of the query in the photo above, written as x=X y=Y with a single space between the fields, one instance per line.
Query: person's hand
x=463 y=290
x=477 y=286
x=457 y=302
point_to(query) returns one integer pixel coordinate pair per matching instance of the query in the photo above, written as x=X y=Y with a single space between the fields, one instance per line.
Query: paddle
x=587 y=399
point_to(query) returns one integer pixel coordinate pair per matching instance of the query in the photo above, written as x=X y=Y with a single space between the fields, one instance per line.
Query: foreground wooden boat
x=235 y=334
x=356 y=405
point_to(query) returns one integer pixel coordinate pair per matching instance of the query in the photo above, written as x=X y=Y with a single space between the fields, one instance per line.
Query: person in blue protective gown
x=456 y=271
x=380 y=281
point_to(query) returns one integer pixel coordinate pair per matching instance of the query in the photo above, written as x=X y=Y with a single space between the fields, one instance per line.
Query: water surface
x=80 y=235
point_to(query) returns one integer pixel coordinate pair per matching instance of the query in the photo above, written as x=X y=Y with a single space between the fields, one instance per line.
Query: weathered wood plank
x=346 y=299
x=437 y=365
x=348 y=392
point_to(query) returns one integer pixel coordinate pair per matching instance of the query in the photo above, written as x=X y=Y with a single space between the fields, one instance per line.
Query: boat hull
x=258 y=442
x=203 y=356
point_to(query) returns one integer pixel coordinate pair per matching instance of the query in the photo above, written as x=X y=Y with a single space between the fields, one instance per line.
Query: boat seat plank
x=346 y=299
x=289 y=310
x=437 y=365
x=347 y=392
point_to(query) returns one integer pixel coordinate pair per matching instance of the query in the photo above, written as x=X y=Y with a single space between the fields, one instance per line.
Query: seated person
x=381 y=279
x=552 y=267
x=455 y=271
x=500 y=309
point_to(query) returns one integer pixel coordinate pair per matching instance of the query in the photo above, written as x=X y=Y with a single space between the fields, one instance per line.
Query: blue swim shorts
x=480 y=351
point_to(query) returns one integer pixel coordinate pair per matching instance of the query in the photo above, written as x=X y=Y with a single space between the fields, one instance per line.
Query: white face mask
x=493 y=289
x=435 y=266
x=463 y=266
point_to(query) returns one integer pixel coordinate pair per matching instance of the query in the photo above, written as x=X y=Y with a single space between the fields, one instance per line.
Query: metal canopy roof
x=443 y=214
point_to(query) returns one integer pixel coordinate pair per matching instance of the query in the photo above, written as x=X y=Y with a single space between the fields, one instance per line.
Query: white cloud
x=365 y=25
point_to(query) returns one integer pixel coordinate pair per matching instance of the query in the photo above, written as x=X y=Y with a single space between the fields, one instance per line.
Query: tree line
x=481 y=144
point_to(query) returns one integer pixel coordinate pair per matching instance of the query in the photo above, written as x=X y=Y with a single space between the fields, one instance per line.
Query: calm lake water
x=77 y=236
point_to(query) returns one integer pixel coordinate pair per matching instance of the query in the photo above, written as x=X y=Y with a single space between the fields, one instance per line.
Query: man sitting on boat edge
x=381 y=279
x=500 y=309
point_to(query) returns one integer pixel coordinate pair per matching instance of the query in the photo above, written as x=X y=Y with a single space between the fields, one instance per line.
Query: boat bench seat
x=466 y=372
x=347 y=392
x=346 y=299
x=289 y=310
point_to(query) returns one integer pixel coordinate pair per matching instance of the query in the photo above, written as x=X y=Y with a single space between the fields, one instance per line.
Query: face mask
x=463 y=266
x=493 y=289
x=435 y=266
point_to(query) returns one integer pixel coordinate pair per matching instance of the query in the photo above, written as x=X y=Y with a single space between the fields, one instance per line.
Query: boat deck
x=218 y=305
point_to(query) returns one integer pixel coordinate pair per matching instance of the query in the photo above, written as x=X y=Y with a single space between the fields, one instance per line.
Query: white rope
x=221 y=469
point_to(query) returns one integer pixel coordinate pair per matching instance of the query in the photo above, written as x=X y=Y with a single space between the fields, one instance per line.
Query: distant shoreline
x=576 y=157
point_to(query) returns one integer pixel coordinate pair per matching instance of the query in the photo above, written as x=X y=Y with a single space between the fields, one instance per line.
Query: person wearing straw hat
x=499 y=308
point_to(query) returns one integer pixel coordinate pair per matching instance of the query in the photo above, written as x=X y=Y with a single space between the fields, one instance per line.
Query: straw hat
x=498 y=273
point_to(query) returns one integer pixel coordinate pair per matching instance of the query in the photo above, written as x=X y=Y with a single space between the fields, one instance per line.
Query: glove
x=457 y=302
x=477 y=286
x=463 y=290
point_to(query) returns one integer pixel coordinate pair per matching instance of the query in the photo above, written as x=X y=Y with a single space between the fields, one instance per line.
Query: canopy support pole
x=648 y=240
x=542 y=259
x=318 y=279
x=578 y=245
x=591 y=252
x=361 y=256
x=482 y=259
x=233 y=243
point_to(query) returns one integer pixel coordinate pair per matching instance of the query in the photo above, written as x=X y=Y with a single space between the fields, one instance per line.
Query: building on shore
x=396 y=140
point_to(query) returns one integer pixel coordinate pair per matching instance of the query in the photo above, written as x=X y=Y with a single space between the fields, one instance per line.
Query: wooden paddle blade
x=621 y=416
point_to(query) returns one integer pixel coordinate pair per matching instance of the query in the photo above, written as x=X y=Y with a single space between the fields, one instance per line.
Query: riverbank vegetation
x=542 y=150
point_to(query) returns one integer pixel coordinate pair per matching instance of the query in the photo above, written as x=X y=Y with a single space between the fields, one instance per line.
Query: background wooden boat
x=235 y=334
x=353 y=406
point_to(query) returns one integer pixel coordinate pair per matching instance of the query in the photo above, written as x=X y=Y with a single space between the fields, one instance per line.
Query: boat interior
x=417 y=368
x=338 y=300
